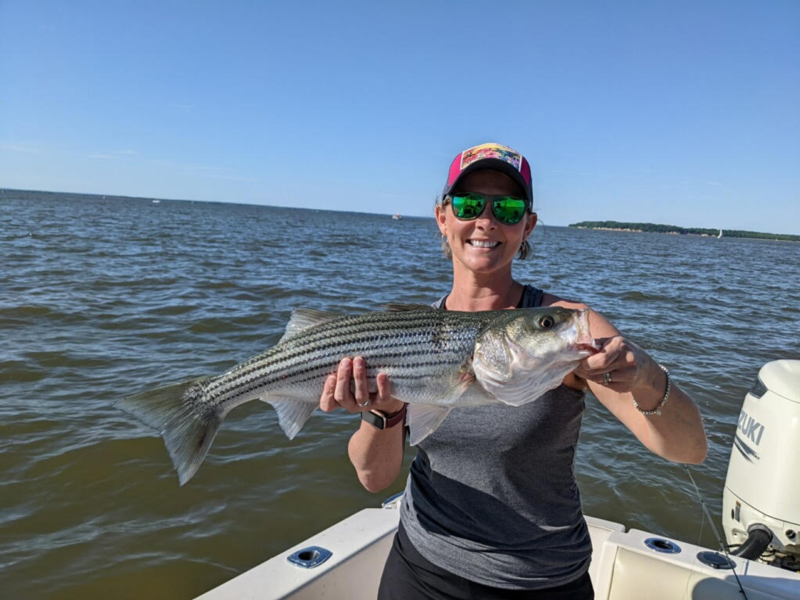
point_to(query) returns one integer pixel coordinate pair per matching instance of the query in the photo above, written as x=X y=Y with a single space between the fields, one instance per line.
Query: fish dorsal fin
x=399 y=307
x=303 y=318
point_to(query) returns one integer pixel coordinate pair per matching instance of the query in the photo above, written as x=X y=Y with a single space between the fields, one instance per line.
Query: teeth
x=484 y=243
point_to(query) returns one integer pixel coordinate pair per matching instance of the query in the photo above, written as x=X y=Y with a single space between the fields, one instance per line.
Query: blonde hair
x=523 y=253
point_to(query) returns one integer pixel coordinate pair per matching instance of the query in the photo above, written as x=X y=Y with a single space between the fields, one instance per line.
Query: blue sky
x=681 y=112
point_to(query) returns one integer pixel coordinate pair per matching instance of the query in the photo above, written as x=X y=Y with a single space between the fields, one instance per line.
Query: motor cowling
x=762 y=488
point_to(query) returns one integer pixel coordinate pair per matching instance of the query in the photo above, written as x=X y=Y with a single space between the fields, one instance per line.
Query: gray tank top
x=492 y=497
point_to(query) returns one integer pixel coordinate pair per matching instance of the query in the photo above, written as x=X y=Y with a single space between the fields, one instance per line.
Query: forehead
x=490 y=182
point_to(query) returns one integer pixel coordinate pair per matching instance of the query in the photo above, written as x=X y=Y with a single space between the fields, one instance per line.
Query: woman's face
x=484 y=245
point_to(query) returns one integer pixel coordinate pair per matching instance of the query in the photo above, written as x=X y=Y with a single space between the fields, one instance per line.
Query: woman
x=492 y=509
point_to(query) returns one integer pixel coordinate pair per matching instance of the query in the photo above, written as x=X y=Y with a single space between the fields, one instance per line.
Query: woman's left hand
x=619 y=365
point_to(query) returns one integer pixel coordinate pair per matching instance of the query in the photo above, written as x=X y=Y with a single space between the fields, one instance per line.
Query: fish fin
x=303 y=318
x=172 y=410
x=292 y=413
x=400 y=307
x=423 y=420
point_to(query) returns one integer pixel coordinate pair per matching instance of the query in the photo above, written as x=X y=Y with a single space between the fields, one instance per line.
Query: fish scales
x=322 y=342
x=435 y=360
x=317 y=351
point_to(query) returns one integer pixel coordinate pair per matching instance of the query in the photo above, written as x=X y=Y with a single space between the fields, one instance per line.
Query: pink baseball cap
x=491 y=156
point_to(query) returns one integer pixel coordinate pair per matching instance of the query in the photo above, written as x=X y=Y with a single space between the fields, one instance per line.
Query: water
x=101 y=298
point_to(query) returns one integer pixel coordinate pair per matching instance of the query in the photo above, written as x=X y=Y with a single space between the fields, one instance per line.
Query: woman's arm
x=376 y=454
x=677 y=434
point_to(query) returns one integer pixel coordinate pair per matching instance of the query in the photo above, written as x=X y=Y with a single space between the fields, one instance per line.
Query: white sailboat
x=720 y=234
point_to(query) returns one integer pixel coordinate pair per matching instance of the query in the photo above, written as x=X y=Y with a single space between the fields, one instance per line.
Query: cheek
x=454 y=227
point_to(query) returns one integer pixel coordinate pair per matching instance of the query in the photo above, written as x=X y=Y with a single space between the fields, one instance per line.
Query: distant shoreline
x=106 y=197
x=675 y=230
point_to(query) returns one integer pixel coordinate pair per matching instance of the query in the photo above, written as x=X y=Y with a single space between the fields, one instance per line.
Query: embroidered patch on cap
x=503 y=153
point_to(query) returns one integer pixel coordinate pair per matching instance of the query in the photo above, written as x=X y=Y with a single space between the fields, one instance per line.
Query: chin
x=486 y=265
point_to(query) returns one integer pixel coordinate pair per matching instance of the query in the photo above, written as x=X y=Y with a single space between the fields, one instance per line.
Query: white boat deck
x=623 y=568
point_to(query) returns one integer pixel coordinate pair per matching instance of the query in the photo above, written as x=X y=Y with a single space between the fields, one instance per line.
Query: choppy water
x=99 y=298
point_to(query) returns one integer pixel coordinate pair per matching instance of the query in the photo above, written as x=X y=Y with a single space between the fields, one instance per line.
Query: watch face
x=374 y=418
x=378 y=419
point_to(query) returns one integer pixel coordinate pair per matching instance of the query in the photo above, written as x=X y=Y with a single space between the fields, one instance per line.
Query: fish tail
x=185 y=422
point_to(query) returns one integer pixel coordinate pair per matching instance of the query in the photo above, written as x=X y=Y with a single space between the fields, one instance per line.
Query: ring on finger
x=607 y=378
x=363 y=405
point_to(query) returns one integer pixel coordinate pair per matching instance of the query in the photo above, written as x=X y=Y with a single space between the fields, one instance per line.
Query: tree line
x=658 y=228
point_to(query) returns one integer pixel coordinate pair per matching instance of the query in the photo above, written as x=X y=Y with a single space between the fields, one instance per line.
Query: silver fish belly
x=432 y=357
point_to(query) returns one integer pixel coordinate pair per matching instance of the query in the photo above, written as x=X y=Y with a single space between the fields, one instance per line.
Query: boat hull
x=623 y=567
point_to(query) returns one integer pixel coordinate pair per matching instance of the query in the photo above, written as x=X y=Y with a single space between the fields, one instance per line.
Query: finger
x=383 y=399
x=342 y=391
x=619 y=380
x=605 y=379
x=327 y=402
x=599 y=363
x=360 y=379
x=384 y=388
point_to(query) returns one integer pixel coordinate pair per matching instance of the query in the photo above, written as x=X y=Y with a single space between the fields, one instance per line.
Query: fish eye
x=546 y=322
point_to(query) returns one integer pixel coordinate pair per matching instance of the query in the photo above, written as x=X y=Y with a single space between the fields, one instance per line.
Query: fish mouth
x=583 y=343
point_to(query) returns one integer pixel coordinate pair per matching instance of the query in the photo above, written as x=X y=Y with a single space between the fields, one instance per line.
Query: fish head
x=526 y=352
x=538 y=333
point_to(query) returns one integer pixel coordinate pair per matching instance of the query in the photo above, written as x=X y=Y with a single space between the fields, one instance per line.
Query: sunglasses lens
x=509 y=210
x=468 y=206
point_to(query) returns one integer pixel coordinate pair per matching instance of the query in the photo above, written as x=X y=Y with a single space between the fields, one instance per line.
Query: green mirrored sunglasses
x=509 y=210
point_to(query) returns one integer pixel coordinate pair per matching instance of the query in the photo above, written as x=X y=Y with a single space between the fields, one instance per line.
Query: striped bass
x=436 y=360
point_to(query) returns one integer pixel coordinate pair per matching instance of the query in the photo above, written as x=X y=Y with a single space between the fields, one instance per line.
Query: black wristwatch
x=380 y=420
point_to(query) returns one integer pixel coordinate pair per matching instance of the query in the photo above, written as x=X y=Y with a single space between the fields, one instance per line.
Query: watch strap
x=380 y=420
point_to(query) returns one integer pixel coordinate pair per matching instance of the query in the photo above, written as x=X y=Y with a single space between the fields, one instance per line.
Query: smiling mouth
x=483 y=243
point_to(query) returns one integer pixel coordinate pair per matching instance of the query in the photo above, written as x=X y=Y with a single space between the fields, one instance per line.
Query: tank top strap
x=531 y=297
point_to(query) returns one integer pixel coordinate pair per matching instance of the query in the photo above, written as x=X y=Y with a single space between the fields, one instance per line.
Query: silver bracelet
x=657 y=409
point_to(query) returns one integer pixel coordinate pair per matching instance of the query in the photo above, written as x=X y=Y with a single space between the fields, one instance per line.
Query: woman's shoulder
x=553 y=300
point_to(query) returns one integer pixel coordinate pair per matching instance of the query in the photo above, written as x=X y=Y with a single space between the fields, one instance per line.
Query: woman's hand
x=349 y=390
x=621 y=373
x=622 y=366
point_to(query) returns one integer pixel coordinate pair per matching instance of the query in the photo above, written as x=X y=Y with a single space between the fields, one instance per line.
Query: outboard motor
x=761 y=500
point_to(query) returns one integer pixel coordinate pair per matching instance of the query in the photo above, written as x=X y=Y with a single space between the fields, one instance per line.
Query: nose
x=486 y=220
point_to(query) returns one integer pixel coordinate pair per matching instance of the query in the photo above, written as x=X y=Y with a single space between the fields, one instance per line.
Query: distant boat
x=156 y=201
x=720 y=234
x=397 y=217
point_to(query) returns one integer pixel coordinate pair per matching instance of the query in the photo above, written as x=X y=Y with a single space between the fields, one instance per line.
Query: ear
x=441 y=218
x=530 y=223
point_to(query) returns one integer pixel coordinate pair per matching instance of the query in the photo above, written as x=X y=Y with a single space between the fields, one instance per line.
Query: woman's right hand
x=376 y=454
x=349 y=390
